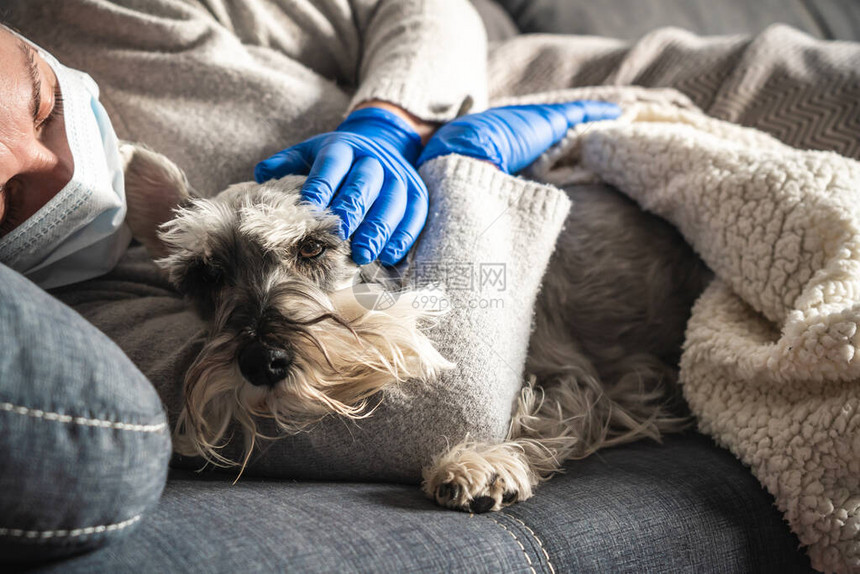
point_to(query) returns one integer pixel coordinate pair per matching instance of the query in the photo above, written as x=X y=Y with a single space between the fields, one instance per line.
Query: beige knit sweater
x=218 y=85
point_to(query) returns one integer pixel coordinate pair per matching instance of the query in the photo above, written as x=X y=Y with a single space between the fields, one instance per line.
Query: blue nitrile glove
x=512 y=137
x=363 y=172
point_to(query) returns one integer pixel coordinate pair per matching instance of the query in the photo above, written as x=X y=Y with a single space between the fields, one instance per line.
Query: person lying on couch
x=75 y=410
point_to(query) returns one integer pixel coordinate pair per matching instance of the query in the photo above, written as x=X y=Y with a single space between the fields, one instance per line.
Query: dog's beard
x=275 y=278
x=344 y=354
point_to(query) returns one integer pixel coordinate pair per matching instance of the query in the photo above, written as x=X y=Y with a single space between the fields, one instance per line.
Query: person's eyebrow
x=35 y=79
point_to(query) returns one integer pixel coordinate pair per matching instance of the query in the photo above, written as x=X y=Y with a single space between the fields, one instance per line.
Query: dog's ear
x=154 y=188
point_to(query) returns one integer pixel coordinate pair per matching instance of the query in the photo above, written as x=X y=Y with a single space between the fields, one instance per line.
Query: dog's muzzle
x=264 y=366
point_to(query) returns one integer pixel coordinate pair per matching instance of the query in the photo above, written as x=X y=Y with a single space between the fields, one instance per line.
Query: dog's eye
x=213 y=274
x=311 y=249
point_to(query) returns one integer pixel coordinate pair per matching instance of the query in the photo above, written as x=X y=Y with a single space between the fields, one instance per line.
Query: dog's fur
x=602 y=361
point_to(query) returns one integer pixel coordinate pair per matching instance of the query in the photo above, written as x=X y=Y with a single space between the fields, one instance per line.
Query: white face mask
x=80 y=233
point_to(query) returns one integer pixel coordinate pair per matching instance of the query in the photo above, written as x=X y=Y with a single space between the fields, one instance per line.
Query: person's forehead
x=15 y=96
x=14 y=66
x=10 y=44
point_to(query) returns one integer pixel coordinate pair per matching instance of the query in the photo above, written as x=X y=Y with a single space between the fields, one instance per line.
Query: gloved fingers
x=530 y=130
x=292 y=160
x=512 y=137
x=559 y=118
x=357 y=193
x=409 y=228
x=572 y=112
x=332 y=164
x=594 y=111
x=464 y=137
x=381 y=220
x=522 y=133
x=528 y=119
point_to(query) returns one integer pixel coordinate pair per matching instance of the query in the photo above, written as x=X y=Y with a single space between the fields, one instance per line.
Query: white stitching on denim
x=517 y=540
x=49 y=416
x=46 y=534
x=540 y=543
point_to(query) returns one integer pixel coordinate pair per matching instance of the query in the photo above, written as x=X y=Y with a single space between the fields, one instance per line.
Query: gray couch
x=681 y=506
x=685 y=505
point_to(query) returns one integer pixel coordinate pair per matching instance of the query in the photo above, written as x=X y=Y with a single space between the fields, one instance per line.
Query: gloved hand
x=363 y=171
x=512 y=137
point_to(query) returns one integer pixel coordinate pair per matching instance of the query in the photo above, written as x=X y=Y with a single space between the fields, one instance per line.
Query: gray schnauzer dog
x=291 y=340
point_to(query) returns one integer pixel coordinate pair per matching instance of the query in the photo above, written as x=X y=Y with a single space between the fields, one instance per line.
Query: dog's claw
x=455 y=481
x=482 y=504
x=453 y=495
x=447 y=491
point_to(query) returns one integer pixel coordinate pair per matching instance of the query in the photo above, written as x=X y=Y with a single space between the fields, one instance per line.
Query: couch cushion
x=84 y=442
x=684 y=506
x=630 y=19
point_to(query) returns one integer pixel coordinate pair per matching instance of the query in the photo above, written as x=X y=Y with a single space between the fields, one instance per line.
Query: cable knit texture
x=769 y=365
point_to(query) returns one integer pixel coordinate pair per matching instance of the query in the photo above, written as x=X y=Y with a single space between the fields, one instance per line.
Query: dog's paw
x=474 y=477
x=466 y=494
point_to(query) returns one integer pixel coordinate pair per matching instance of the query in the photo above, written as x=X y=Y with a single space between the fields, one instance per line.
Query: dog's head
x=297 y=331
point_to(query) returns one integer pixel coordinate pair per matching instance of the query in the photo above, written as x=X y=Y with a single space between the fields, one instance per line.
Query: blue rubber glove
x=513 y=137
x=363 y=171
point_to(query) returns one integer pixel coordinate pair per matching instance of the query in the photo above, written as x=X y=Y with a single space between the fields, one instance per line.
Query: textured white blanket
x=769 y=365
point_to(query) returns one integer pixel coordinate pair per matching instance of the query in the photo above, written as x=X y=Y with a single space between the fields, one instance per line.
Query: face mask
x=80 y=233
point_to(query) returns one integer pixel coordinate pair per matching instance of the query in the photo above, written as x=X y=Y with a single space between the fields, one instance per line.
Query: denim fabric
x=684 y=506
x=84 y=443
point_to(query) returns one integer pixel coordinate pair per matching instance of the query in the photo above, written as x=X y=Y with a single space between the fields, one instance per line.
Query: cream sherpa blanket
x=770 y=366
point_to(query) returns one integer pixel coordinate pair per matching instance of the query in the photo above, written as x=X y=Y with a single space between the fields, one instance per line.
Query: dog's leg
x=480 y=477
x=567 y=413
x=569 y=418
x=608 y=330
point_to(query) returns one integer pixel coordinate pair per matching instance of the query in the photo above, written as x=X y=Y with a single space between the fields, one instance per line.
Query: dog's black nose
x=264 y=366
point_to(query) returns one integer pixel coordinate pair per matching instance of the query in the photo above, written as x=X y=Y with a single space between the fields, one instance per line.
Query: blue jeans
x=84 y=443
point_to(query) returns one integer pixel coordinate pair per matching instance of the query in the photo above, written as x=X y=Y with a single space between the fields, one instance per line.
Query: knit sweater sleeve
x=427 y=56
